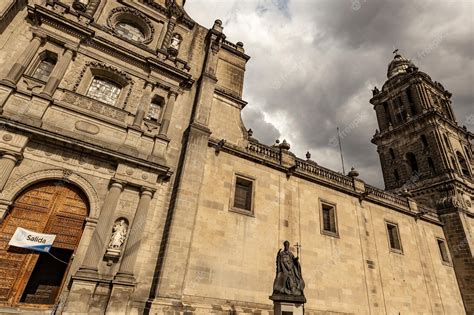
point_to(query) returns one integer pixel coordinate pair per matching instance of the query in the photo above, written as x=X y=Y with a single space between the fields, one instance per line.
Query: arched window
x=392 y=153
x=104 y=90
x=155 y=109
x=424 y=141
x=397 y=176
x=411 y=160
x=431 y=166
x=468 y=153
x=454 y=164
x=44 y=68
x=129 y=31
x=411 y=101
x=387 y=113
x=446 y=141
x=463 y=164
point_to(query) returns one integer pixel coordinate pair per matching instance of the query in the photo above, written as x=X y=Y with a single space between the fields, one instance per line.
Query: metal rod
x=340 y=149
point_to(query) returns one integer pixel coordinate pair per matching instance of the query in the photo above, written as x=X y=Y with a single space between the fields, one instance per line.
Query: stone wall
x=232 y=256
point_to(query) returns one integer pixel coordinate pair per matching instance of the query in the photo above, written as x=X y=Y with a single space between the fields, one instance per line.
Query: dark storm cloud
x=314 y=62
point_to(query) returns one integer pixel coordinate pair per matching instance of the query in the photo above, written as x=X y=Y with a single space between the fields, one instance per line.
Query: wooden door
x=48 y=207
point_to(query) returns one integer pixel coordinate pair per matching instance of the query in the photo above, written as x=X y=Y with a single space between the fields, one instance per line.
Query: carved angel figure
x=288 y=280
x=119 y=232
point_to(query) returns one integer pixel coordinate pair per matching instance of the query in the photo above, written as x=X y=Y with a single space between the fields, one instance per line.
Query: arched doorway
x=52 y=207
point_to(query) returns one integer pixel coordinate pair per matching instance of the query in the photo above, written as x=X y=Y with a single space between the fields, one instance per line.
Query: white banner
x=32 y=240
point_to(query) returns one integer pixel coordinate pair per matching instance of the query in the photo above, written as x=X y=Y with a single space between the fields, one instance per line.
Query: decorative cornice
x=271 y=157
x=231 y=96
x=172 y=10
x=111 y=154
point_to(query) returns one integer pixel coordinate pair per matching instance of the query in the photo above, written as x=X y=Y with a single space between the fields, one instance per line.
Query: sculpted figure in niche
x=174 y=45
x=175 y=41
x=119 y=232
x=288 y=279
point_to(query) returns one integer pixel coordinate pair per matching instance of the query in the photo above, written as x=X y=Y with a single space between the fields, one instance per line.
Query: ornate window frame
x=134 y=17
x=94 y=69
x=43 y=55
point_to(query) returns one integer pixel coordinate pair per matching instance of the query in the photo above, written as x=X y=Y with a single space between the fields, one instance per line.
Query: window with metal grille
x=243 y=194
x=394 y=237
x=104 y=90
x=328 y=216
x=44 y=69
x=129 y=31
x=443 y=250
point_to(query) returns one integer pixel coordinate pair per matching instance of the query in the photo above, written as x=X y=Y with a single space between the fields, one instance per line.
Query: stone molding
x=14 y=188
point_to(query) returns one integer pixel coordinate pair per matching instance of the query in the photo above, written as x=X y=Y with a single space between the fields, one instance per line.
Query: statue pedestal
x=288 y=305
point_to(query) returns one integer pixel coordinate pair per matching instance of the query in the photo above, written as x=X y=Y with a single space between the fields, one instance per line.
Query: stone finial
x=405 y=193
x=284 y=145
x=308 y=155
x=353 y=173
x=240 y=46
x=218 y=26
x=250 y=132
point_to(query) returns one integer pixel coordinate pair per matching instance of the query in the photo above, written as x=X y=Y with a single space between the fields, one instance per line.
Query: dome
x=398 y=65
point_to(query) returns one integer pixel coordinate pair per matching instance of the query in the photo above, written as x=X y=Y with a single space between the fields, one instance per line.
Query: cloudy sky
x=314 y=63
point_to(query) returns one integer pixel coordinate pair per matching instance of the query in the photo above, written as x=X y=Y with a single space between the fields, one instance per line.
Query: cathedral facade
x=121 y=134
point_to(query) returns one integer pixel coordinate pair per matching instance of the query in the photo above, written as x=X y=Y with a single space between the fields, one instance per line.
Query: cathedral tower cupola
x=398 y=65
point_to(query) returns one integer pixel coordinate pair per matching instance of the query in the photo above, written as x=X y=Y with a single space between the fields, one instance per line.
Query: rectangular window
x=243 y=194
x=443 y=250
x=328 y=219
x=394 y=237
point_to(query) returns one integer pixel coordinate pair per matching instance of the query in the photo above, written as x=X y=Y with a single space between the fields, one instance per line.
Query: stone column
x=133 y=244
x=19 y=66
x=7 y=164
x=169 y=33
x=144 y=102
x=165 y=123
x=99 y=238
x=58 y=73
x=422 y=96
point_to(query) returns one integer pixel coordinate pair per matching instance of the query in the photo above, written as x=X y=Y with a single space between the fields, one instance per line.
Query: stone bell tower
x=425 y=154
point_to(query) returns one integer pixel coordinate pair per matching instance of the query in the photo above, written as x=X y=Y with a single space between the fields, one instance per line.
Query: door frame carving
x=32 y=258
x=16 y=187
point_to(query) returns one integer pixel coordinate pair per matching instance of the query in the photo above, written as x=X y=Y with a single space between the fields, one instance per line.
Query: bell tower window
x=411 y=160
x=397 y=176
x=431 y=166
x=424 y=141
x=400 y=112
x=411 y=101
x=463 y=164
x=392 y=154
